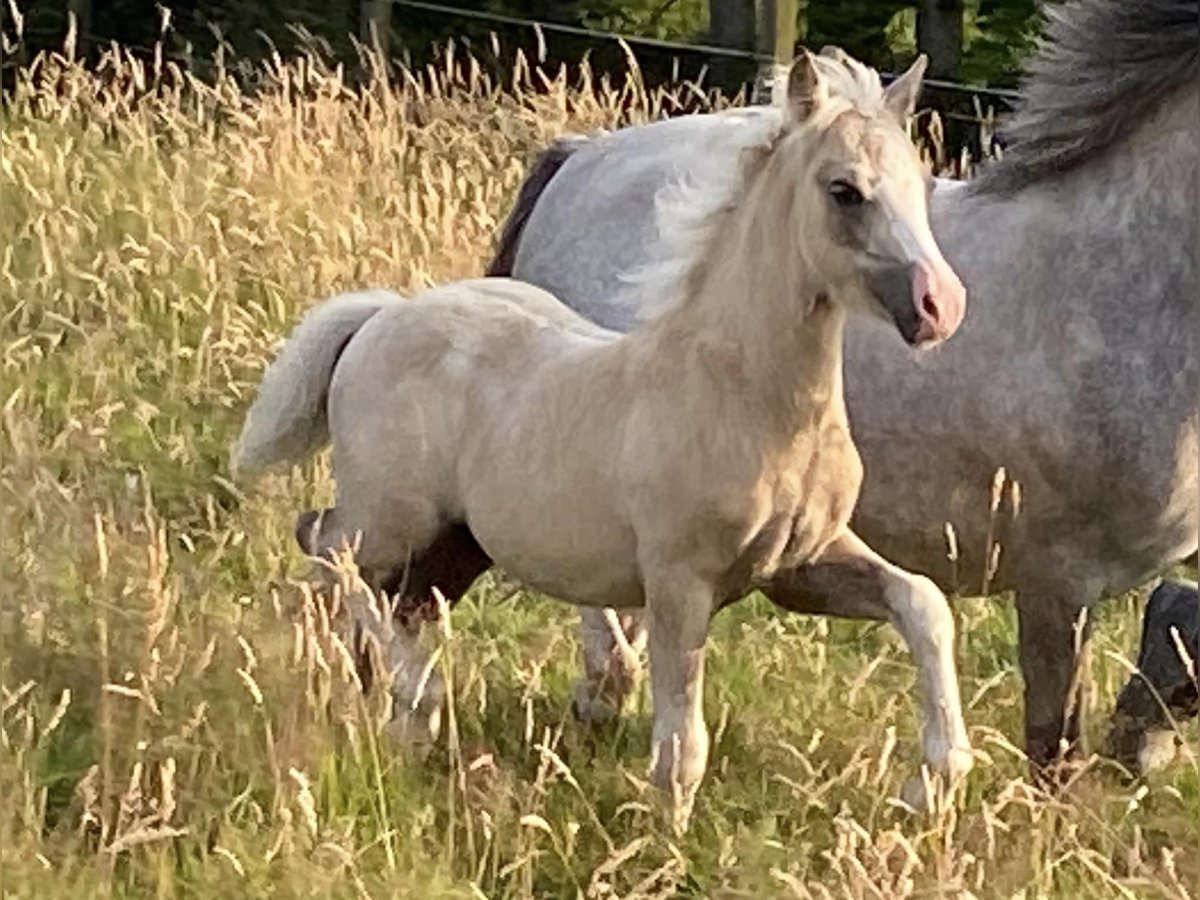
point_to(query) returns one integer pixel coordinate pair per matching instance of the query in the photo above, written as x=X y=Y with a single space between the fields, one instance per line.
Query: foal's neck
x=753 y=311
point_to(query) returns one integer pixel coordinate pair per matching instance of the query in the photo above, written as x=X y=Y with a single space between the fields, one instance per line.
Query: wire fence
x=634 y=40
x=709 y=51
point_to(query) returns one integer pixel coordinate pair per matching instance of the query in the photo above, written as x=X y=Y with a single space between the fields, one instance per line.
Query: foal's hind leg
x=613 y=642
x=417 y=690
x=449 y=566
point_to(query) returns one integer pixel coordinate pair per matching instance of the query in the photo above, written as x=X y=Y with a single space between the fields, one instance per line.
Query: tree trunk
x=940 y=34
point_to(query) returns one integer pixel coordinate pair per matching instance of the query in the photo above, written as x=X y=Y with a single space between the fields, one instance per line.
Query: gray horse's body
x=1076 y=367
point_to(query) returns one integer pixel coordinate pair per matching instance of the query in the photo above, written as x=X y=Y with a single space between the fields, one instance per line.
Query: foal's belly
x=581 y=585
x=554 y=526
x=585 y=567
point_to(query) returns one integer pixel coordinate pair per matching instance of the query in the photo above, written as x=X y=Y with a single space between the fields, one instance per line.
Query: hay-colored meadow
x=178 y=716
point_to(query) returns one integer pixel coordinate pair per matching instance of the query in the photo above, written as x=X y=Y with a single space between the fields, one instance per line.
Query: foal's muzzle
x=925 y=300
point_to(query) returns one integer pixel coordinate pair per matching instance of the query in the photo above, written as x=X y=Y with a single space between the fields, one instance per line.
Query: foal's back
x=445 y=345
x=471 y=397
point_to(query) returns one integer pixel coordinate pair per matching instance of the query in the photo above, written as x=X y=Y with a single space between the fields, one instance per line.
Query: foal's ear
x=806 y=90
x=900 y=98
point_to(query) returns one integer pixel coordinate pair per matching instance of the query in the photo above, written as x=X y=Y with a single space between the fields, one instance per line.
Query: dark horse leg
x=1163 y=691
x=1053 y=638
x=452 y=563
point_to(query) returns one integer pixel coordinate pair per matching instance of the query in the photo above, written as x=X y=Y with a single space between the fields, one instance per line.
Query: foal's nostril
x=929 y=309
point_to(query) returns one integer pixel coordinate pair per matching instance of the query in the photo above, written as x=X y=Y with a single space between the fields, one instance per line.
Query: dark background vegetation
x=977 y=41
x=980 y=43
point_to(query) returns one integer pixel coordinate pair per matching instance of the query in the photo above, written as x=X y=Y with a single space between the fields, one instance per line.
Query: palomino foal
x=676 y=467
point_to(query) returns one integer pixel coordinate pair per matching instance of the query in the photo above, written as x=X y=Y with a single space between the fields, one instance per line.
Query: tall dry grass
x=177 y=715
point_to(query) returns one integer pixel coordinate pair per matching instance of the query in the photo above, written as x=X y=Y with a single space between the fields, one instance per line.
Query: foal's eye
x=845 y=194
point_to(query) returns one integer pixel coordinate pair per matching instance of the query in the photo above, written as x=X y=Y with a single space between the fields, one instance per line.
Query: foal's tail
x=288 y=421
x=545 y=166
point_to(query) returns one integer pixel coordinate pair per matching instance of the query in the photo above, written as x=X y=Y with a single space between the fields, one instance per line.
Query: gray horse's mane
x=1102 y=68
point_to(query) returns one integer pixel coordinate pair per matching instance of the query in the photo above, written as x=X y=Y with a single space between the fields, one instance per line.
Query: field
x=178 y=718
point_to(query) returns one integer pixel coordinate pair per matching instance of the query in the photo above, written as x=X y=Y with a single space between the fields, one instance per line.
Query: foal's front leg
x=679 y=605
x=850 y=580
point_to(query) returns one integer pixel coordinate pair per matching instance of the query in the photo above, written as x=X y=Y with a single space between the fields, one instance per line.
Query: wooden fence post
x=375 y=25
x=731 y=24
x=777 y=30
x=776 y=38
x=82 y=11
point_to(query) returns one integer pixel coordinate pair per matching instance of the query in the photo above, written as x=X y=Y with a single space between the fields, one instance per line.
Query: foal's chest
x=811 y=498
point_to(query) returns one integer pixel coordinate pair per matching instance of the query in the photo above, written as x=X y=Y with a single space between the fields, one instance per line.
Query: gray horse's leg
x=451 y=564
x=1053 y=638
x=1164 y=687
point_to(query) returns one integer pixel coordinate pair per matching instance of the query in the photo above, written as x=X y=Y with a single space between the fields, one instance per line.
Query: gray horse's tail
x=288 y=420
x=544 y=168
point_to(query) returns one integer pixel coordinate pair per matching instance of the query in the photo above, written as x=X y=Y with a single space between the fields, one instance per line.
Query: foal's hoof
x=681 y=811
x=677 y=769
x=417 y=710
x=417 y=730
x=591 y=709
x=930 y=792
x=674 y=803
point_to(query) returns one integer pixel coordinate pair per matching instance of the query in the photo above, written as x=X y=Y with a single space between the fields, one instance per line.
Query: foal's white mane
x=687 y=212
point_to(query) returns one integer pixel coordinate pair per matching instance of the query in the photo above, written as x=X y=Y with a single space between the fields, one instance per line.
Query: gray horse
x=1075 y=370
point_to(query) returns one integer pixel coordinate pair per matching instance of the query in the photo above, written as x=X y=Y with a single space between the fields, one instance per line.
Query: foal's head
x=867 y=235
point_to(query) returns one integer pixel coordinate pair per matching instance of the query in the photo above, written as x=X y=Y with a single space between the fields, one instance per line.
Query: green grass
x=178 y=720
